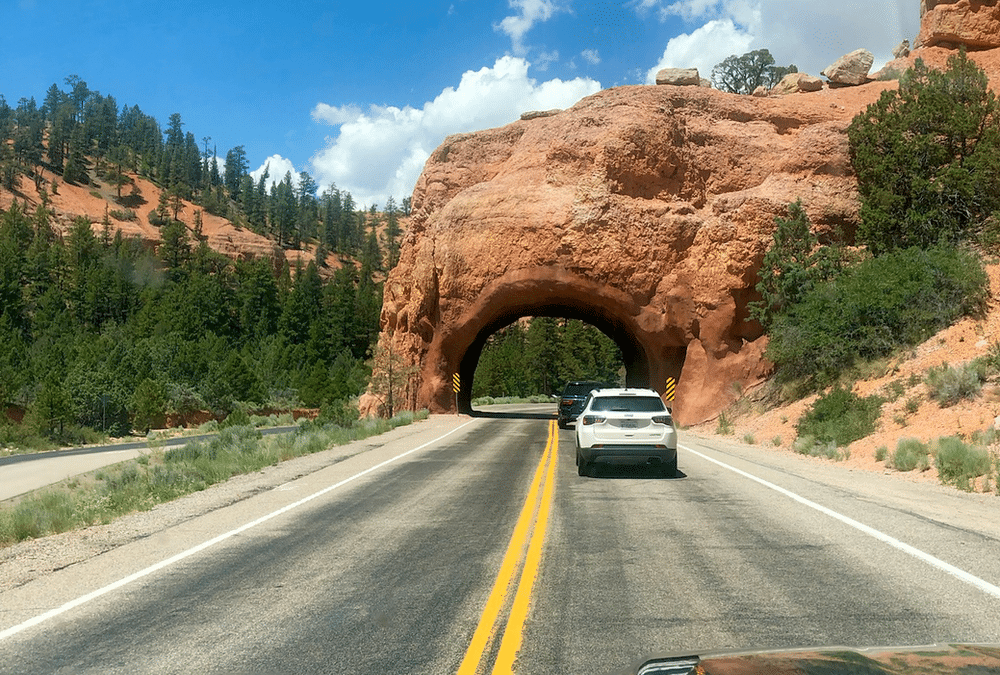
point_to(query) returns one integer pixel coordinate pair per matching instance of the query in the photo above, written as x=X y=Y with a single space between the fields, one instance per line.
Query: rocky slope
x=909 y=411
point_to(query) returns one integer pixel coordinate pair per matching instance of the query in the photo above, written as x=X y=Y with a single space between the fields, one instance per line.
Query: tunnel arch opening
x=633 y=356
x=560 y=294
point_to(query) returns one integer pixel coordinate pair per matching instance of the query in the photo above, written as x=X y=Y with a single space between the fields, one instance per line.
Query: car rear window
x=628 y=404
x=581 y=389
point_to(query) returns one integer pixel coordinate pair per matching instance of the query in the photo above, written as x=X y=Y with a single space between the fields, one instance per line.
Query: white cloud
x=591 y=56
x=335 y=115
x=703 y=48
x=544 y=59
x=381 y=152
x=276 y=166
x=810 y=35
x=530 y=12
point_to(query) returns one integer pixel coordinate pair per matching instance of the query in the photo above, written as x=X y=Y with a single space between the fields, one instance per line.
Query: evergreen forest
x=100 y=333
x=539 y=355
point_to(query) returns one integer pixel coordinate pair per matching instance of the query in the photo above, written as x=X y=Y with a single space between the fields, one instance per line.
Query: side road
x=23 y=473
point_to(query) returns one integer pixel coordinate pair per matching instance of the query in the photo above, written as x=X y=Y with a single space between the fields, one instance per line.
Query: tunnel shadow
x=512 y=415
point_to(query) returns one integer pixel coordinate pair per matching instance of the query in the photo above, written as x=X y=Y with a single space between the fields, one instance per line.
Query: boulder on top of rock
x=679 y=77
x=850 y=69
x=795 y=83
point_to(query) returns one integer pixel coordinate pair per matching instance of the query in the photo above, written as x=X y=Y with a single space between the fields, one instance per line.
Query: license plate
x=629 y=424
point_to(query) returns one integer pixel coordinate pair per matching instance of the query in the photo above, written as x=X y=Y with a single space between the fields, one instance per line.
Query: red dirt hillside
x=95 y=200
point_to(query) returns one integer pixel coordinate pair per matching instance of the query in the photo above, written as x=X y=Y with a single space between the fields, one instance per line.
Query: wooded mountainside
x=98 y=330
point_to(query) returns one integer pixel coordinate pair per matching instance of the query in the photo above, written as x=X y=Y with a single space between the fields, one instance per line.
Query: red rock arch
x=650 y=357
x=645 y=211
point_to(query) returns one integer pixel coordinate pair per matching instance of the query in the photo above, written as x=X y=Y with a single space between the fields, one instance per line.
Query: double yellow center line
x=524 y=552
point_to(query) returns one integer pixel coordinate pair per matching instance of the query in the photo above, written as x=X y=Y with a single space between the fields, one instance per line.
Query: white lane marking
x=981 y=584
x=72 y=604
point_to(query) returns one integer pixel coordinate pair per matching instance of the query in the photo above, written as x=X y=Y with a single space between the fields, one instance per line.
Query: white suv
x=626 y=426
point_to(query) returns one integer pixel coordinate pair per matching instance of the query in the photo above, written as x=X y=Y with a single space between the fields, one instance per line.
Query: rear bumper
x=566 y=415
x=628 y=454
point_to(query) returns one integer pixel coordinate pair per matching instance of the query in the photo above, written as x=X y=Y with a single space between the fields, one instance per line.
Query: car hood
x=964 y=659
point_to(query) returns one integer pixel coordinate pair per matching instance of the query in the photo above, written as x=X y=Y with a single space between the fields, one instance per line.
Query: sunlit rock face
x=645 y=210
x=972 y=23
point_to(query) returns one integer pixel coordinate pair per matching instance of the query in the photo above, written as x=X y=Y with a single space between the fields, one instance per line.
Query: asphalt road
x=396 y=570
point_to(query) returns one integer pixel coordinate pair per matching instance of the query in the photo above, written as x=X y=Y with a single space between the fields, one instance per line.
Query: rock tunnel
x=556 y=293
x=643 y=211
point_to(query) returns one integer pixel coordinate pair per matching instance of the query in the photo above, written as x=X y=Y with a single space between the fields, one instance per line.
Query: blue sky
x=359 y=94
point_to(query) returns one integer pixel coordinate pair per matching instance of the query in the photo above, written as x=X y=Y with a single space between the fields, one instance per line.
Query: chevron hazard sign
x=668 y=390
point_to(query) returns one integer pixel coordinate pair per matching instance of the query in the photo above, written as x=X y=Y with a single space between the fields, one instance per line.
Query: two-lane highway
x=395 y=560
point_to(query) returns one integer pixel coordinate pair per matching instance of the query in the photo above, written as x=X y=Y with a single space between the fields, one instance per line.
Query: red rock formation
x=644 y=210
x=950 y=23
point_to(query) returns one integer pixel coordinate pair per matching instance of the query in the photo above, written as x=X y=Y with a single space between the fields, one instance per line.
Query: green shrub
x=909 y=454
x=958 y=463
x=810 y=445
x=880 y=453
x=237 y=418
x=724 y=427
x=342 y=412
x=927 y=157
x=840 y=417
x=950 y=384
x=874 y=308
x=126 y=215
x=896 y=390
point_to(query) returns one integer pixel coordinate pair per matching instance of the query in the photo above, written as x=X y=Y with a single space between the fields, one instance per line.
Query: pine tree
x=236 y=168
x=392 y=233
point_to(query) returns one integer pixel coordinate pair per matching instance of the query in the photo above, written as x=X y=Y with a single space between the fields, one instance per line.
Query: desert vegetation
x=926 y=156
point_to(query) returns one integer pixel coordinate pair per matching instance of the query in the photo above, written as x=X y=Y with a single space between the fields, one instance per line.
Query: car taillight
x=566 y=401
x=593 y=419
x=663 y=419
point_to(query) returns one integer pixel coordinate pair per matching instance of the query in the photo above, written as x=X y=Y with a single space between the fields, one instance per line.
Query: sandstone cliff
x=950 y=23
x=645 y=210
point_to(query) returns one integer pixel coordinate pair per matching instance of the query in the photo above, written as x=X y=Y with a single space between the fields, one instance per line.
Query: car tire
x=582 y=467
x=669 y=469
x=562 y=425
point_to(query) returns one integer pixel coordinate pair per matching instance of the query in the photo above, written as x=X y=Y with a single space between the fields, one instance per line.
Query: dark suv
x=573 y=398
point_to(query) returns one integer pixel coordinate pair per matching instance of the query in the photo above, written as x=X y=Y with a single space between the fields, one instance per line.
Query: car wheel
x=562 y=425
x=582 y=467
x=669 y=469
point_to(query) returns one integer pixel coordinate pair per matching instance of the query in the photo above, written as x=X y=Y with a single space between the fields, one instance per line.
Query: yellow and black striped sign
x=668 y=390
x=456 y=383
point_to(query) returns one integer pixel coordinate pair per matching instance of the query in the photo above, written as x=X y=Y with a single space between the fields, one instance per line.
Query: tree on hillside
x=793 y=265
x=927 y=157
x=76 y=167
x=743 y=74
x=392 y=233
x=308 y=212
x=284 y=211
x=236 y=167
